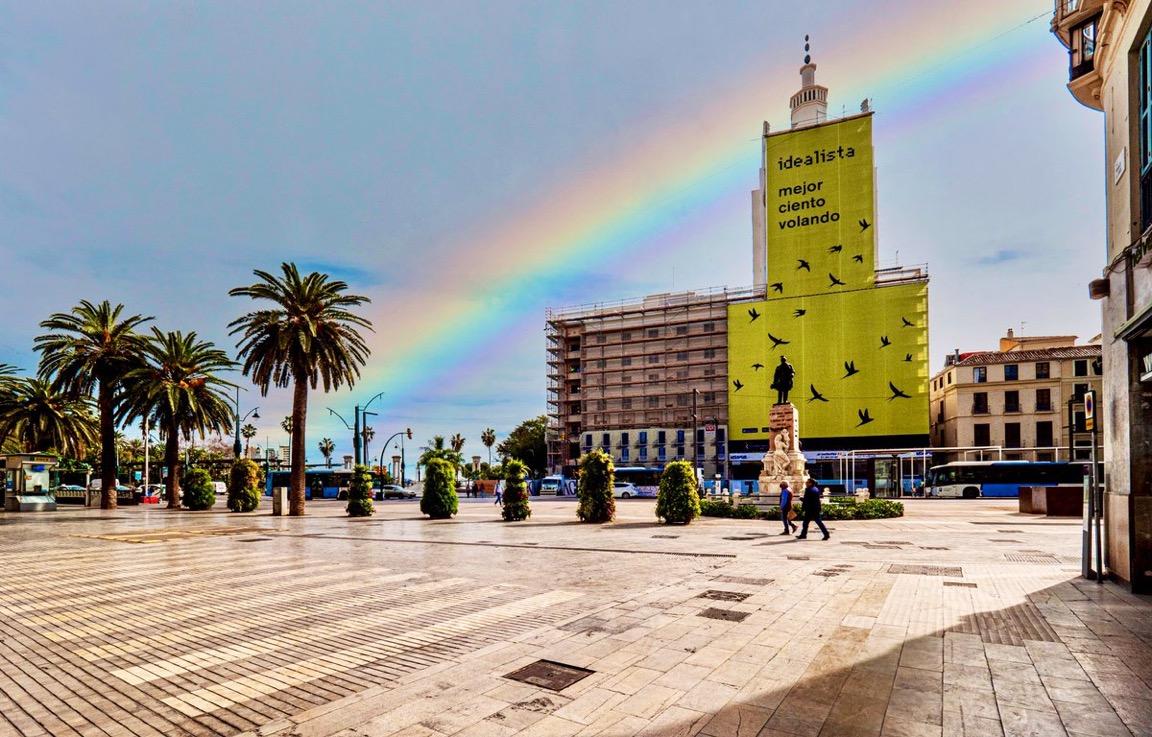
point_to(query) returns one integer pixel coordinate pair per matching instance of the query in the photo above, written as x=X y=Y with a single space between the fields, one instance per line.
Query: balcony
x=979 y=408
x=1076 y=23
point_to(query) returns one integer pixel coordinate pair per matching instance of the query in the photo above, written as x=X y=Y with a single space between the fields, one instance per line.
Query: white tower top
x=810 y=104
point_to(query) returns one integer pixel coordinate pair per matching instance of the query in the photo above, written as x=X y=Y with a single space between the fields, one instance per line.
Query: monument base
x=783 y=461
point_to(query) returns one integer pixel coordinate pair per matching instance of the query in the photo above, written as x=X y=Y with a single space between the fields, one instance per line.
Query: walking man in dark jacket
x=811 y=506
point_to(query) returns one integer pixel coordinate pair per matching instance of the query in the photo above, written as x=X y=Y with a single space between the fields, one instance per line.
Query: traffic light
x=409 y=433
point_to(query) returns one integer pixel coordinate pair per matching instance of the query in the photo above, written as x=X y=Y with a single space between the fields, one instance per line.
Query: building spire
x=810 y=104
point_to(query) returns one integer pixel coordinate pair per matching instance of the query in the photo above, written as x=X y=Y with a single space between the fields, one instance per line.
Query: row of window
x=682 y=400
x=629 y=378
x=1041 y=403
x=661 y=437
x=624 y=454
x=1011 y=372
x=601 y=363
x=628 y=335
x=982 y=435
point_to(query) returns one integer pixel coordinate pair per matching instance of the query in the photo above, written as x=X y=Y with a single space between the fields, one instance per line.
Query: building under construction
x=640 y=379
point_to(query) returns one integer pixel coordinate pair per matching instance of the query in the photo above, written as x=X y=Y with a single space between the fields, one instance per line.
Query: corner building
x=1109 y=45
x=856 y=335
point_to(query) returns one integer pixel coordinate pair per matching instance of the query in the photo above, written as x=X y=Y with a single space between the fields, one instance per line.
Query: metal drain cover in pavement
x=727 y=615
x=549 y=674
x=723 y=595
x=950 y=571
x=960 y=584
x=253 y=539
x=745 y=579
x=666 y=537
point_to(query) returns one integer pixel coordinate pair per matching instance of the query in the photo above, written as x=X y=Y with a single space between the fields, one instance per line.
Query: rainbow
x=631 y=204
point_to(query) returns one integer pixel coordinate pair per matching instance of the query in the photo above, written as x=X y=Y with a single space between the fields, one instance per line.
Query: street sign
x=1090 y=410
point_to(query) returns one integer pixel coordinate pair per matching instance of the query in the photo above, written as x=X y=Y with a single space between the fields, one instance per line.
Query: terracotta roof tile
x=1040 y=354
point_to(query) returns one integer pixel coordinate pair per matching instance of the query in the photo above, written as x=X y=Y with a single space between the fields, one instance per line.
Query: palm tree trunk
x=172 y=461
x=107 y=447
x=299 y=418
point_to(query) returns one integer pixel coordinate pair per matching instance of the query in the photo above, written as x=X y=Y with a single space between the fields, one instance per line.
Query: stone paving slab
x=959 y=619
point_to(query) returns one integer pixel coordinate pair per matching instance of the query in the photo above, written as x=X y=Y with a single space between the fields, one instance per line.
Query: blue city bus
x=974 y=479
x=319 y=483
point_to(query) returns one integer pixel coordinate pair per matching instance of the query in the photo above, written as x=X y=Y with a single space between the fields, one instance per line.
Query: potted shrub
x=678 y=501
x=360 y=493
x=244 y=484
x=597 y=476
x=516 y=505
x=199 y=492
x=439 y=500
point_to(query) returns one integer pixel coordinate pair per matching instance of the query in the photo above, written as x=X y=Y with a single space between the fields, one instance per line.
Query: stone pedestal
x=783 y=461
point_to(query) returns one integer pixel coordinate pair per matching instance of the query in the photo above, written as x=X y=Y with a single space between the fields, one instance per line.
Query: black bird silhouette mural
x=833 y=281
x=816 y=396
x=896 y=392
x=836 y=248
x=752 y=313
x=736 y=383
x=865 y=418
x=778 y=287
x=757 y=366
x=884 y=342
x=905 y=322
x=908 y=358
x=864 y=224
x=799 y=313
x=777 y=342
x=803 y=265
x=850 y=369
x=858 y=258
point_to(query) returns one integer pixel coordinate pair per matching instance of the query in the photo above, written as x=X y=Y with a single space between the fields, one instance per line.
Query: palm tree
x=488 y=437
x=93 y=347
x=249 y=432
x=308 y=337
x=436 y=448
x=327 y=448
x=457 y=442
x=36 y=418
x=178 y=388
x=286 y=424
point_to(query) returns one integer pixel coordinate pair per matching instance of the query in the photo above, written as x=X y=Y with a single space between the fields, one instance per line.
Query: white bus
x=975 y=479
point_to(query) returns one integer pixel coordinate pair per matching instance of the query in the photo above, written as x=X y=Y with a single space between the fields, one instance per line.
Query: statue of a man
x=782 y=380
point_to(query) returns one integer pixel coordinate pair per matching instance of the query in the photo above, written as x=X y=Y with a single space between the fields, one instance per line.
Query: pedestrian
x=811 y=507
x=499 y=493
x=787 y=514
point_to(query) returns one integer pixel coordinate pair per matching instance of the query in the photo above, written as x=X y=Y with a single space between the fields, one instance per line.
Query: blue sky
x=155 y=153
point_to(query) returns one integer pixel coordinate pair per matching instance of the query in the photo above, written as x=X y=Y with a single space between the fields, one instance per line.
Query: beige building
x=1109 y=44
x=1026 y=398
x=637 y=378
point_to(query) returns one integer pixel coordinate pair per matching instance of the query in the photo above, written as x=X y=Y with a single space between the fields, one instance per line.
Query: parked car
x=393 y=491
x=624 y=490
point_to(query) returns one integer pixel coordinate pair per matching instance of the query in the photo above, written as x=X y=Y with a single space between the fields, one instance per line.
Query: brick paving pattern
x=145 y=622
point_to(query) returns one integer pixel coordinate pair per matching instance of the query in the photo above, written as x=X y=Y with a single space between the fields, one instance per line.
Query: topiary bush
x=244 y=484
x=678 y=501
x=360 y=493
x=516 y=505
x=597 y=477
x=439 y=500
x=199 y=493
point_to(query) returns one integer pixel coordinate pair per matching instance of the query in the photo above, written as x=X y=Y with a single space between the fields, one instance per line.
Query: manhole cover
x=797 y=557
x=253 y=539
x=666 y=537
x=893 y=542
x=745 y=580
x=960 y=584
x=951 y=571
x=1003 y=540
x=1040 y=559
x=869 y=546
x=826 y=573
x=742 y=537
x=932 y=547
x=1009 y=532
x=723 y=595
x=727 y=615
x=549 y=674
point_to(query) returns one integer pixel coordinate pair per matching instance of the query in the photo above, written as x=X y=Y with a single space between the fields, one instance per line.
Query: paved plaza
x=963 y=618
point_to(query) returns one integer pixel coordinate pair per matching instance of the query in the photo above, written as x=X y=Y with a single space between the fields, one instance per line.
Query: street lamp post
x=406 y=432
x=356 y=428
x=254 y=413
